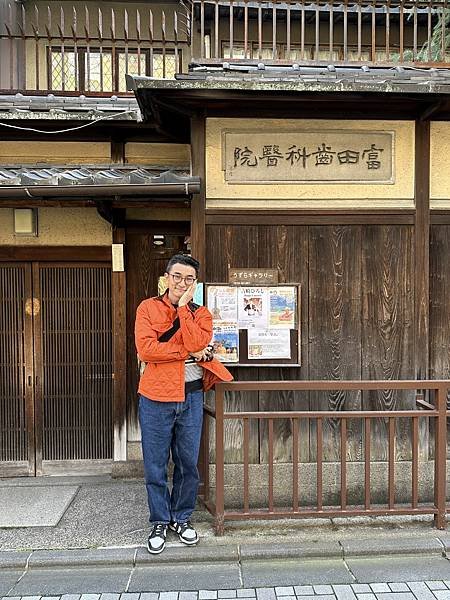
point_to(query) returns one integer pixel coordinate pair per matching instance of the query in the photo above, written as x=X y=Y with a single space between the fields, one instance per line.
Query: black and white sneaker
x=186 y=533
x=157 y=539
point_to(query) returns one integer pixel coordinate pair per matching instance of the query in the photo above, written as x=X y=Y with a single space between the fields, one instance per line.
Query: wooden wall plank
x=335 y=328
x=440 y=305
x=422 y=247
x=198 y=203
x=387 y=328
x=235 y=246
x=286 y=249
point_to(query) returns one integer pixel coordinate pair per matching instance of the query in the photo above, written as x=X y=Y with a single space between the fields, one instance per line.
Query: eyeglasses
x=188 y=280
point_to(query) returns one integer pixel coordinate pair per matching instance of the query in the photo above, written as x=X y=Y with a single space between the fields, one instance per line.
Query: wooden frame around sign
x=295 y=334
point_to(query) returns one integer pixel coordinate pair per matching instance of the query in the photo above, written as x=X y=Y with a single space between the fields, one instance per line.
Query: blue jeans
x=171 y=427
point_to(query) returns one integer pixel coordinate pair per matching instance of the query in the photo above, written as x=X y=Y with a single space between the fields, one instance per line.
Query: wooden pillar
x=422 y=249
x=198 y=205
x=119 y=314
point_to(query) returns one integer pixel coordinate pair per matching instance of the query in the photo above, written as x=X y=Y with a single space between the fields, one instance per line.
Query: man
x=172 y=336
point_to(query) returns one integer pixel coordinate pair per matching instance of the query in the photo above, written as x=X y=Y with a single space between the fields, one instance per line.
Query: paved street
x=93 y=550
x=411 y=590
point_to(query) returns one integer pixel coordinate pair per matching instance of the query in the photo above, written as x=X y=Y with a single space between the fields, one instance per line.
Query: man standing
x=172 y=336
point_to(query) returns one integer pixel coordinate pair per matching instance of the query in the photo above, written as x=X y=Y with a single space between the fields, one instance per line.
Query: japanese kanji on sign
x=347 y=156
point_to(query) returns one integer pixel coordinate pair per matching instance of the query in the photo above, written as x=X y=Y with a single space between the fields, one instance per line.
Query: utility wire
x=126 y=112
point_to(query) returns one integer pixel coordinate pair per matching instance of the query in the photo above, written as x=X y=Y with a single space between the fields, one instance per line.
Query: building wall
x=54 y=153
x=221 y=194
x=357 y=288
x=440 y=165
x=59 y=227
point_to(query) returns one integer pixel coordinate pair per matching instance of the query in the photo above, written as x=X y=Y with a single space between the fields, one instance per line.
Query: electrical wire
x=126 y=112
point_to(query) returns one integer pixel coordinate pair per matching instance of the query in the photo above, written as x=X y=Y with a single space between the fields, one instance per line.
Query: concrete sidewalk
x=101 y=535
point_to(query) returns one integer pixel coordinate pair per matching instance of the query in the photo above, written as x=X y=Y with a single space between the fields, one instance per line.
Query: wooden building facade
x=372 y=256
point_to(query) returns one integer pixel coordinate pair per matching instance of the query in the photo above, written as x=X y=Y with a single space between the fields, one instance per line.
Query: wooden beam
x=58 y=253
x=198 y=204
x=422 y=249
x=326 y=217
x=119 y=313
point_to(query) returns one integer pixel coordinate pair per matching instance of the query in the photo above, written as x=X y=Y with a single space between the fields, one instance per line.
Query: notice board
x=255 y=324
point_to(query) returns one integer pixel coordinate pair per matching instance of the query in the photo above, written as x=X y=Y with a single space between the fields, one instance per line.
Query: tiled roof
x=92 y=176
x=64 y=108
x=251 y=75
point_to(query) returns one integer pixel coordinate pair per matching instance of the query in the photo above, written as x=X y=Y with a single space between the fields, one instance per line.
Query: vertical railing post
x=440 y=457
x=220 y=503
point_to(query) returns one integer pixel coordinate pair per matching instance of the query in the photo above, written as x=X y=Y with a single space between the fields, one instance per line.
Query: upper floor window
x=104 y=70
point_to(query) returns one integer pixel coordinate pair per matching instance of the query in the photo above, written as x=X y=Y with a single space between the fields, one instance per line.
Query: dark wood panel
x=440 y=304
x=285 y=249
x=74 y=334
x=422 y=247
x=305 y=217
x=235 y=246
x=335 y=328
x=198 y=203
x=387 y=328
x=63 y=253
x=16 y=371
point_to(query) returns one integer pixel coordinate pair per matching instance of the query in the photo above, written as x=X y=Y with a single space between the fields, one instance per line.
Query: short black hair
x=183 y=259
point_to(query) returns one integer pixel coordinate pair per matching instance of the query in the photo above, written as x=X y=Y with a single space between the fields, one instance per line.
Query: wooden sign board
x=252 y=276
x=320 y=156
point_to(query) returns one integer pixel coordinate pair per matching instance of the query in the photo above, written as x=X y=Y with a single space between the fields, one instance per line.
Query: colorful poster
x=226 y=342
x=222 y=302
x=283 y=304
x=198 y=294
x=269 y=343
x=253 y=307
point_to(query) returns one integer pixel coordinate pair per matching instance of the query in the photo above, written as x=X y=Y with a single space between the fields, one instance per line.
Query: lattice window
x=99 y=71
x=95 y=70
x=64 y=71
x=131 y=64
x=170 y=69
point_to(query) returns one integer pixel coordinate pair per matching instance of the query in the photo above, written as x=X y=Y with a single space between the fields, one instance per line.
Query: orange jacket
x=163 y=378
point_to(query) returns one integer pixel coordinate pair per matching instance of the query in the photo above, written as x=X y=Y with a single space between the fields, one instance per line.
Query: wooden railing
x=60 y=47
x=64 y=48
x=432 y=414
x=330 y=31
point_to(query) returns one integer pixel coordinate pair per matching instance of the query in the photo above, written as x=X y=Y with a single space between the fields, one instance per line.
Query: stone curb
x=277 y=551
x=10 y=559
x=123 y=557
x=185 y=554
x=373 y=547
x=222 y=553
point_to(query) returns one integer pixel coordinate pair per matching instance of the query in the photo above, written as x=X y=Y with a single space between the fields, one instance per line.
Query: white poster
x=253 y=307
x=269 y=343
x=222 y=302
x=226 y=342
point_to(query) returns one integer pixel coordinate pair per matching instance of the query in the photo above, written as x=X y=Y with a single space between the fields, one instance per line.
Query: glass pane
x=352 y=54
x=64 y=72
x=131 y=64
x=296 y=53
x=158 y=66
x=99 y=71
x=324 y=54
x=238 y=51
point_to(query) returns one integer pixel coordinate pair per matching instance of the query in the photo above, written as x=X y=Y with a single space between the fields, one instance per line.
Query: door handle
x=30 y=380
